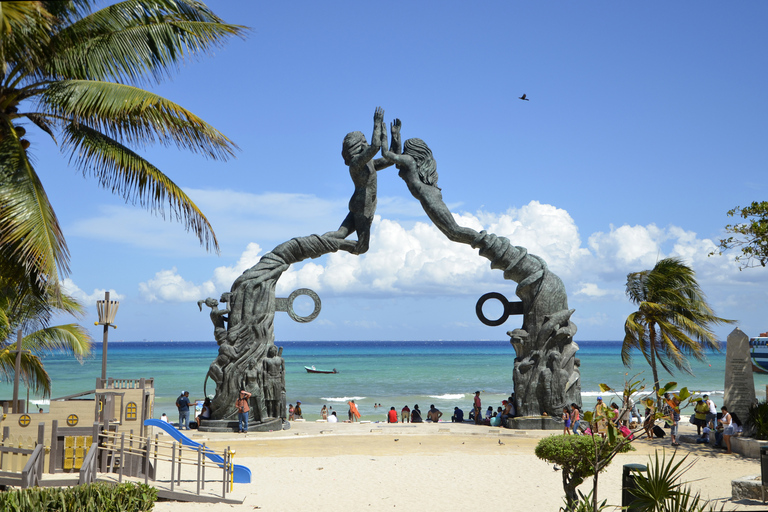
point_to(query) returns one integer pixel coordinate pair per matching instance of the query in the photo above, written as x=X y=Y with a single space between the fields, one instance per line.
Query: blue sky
x=645 y=125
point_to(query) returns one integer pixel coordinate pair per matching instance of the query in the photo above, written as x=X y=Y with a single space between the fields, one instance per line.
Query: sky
x=646 y=124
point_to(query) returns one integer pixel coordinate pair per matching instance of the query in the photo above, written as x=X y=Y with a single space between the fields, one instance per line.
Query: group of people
x=183 y=403
x=725 y=425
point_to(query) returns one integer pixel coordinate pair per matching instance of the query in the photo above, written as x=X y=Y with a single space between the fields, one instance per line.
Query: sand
x=324 y=467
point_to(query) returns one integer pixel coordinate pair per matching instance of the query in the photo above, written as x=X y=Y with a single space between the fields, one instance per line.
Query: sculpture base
x=269 y=425
x=534 y=423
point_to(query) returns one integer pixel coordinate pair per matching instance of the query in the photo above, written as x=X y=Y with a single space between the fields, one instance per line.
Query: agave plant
x=77 y=75
x=661 y=489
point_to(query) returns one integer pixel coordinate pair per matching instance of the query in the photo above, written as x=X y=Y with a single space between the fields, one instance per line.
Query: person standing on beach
x=324 y=412
x=243 y=408
x=405 y=414
x=478 y=409
x=712 y=414
x=297 y=412
x=575 y=419
x=182 y=403
x=354 y=414
x=566 y=421
x=392 y=415
x=674 y=406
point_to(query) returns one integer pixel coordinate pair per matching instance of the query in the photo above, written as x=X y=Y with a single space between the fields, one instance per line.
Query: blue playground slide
x=241 y=474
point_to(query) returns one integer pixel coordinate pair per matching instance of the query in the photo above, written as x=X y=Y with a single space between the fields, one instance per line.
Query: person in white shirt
x=333 y=418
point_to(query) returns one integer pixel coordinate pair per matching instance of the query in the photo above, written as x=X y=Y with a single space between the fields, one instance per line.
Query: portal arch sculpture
x=545 y=373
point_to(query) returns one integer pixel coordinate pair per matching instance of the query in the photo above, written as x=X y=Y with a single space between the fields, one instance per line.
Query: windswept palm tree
x=673 y=320
x=77 y=75
x=22 y=310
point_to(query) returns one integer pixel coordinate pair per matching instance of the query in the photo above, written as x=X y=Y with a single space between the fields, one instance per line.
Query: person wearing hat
x=600 y=410
x=243 y=409
x=297 y=411
x=182 y=403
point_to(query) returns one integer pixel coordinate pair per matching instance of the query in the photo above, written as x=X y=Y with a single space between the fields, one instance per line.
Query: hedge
x=96 y=497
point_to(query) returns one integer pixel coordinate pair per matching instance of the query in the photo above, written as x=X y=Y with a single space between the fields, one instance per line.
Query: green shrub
x=757 y=421
x=576 y=457
x=97 y=497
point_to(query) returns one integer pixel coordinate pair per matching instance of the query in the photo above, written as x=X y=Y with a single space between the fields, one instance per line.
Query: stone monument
x=739 y=382
x=546 y=372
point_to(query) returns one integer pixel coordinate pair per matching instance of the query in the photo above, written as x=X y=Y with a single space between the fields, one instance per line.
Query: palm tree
x=673 y=320
x=76 y=75
x=20 y=309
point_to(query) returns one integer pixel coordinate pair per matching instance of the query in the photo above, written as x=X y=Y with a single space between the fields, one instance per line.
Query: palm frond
x=32 y=371
x=29 y=230
x=108 y=45
x=134 y=116
x=125 y=173
x=72 y=338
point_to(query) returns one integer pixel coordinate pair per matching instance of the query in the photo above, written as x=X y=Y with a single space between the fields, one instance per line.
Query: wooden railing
x=89 y=468
x=126 y=454
x=33 y=471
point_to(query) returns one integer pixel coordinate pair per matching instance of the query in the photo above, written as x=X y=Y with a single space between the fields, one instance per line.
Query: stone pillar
x=739 y=383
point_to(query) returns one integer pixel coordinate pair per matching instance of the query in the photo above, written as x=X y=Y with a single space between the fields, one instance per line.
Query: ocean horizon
x=390 y=373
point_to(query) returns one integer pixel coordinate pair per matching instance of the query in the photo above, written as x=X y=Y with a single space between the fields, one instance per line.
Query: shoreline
x=324 y=467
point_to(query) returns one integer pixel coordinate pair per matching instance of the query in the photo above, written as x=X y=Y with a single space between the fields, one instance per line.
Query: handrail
x=30 y=475
x=88 y=469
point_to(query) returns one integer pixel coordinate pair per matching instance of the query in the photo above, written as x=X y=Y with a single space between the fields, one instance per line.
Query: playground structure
x=106 y=434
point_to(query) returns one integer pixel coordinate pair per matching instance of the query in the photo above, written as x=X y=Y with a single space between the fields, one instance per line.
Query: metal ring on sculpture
x=292 y=297
x=481 y=302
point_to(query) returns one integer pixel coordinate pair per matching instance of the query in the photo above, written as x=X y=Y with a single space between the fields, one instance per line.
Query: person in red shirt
x=392 y=415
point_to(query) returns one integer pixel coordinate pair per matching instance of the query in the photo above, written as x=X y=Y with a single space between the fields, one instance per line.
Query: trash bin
x=627 y=483
x=764 y=463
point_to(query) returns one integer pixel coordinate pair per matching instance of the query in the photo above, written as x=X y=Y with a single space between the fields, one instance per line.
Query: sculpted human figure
x=218 y=316
x=417 y=167
x=358 y=155
x=227 y=353
x=274 y=381
x=253 y=384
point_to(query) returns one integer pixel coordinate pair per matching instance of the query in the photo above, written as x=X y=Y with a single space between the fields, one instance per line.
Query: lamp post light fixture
x=107 y=310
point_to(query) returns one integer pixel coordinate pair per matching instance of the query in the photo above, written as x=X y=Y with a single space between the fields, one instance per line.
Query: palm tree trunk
x=656 y=387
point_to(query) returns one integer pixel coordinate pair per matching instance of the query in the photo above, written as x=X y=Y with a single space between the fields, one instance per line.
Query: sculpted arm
x=395 y=147
x=369 y=152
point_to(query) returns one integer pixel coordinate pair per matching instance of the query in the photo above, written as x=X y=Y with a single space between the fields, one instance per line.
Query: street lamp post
x=17 y=373
x=107 y=310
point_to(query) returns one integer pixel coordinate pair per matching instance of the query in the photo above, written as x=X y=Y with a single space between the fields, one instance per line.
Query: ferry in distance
x=758 y=348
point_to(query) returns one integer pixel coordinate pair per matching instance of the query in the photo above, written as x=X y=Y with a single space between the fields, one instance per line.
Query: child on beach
x=566 y=421
x=575 y=418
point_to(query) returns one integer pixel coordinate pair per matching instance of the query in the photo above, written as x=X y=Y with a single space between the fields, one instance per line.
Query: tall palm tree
x=20 y=309
x=76 y=75
x=673 y=320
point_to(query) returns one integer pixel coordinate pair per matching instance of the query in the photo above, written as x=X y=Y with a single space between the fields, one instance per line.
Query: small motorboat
x=312 y=369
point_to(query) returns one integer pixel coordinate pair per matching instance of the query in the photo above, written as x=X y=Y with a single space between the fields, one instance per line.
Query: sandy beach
x=376 y=466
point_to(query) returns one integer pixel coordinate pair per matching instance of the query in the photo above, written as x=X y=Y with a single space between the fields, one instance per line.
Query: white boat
x=758 y=348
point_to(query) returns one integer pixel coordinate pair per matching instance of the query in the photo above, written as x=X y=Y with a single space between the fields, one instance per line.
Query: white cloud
x=169 y=286
x=411 y=259
x=69 y=287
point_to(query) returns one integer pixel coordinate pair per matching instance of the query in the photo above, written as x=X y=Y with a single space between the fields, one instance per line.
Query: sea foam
x=342 y=398
x=448 y=396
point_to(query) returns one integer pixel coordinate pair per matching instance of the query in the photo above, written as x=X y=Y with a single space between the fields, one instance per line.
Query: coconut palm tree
x=673 y=320
x=77 y=75
x=20 y=309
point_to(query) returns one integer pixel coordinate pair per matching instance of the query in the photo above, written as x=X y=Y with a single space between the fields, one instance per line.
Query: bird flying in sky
x=524 y=98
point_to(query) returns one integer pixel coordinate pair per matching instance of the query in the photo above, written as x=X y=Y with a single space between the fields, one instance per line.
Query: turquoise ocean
x=390 y=373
